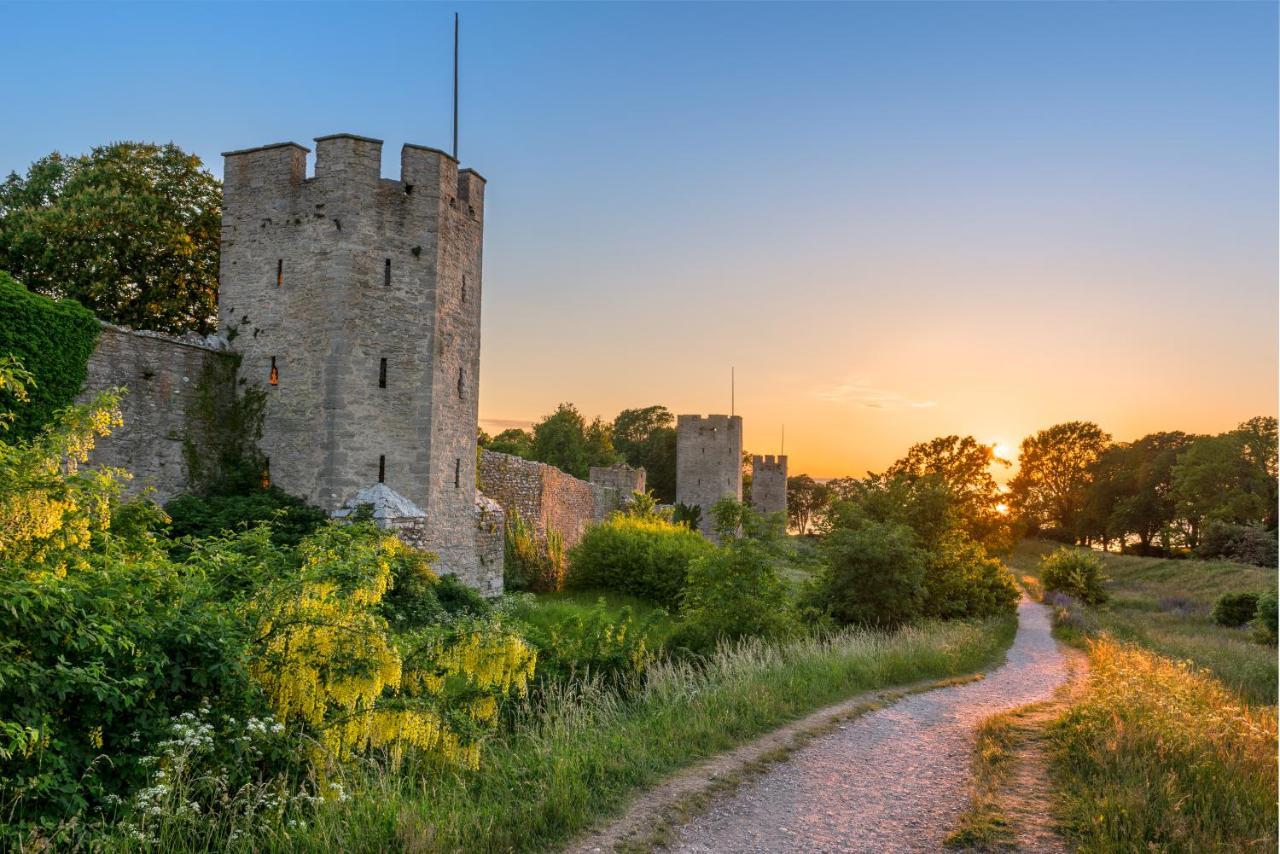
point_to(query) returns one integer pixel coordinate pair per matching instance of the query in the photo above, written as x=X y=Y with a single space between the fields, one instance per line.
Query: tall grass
x=1165 y=605
x=1160 y=756
x=586 y=750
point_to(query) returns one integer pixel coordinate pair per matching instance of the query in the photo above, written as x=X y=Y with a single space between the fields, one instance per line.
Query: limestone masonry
x=769 y=483
x=708 y=462
x=552 y=500
x=355 y=303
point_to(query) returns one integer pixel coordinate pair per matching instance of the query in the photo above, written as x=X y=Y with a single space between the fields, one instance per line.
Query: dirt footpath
x=895 y=779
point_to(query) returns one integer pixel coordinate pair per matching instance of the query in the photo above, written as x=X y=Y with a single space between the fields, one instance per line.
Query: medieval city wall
x=708 y=462
x=550 y=499
x=175 y=390
x=769 y=483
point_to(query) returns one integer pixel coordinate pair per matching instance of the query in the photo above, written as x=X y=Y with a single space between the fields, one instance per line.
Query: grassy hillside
x=1164 y=605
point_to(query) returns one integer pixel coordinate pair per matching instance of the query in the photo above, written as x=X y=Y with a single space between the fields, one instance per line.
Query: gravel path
x=893 y=780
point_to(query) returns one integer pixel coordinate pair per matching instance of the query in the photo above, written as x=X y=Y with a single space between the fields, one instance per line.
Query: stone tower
x=354 y=301
x=708 y=461
x=769 y=483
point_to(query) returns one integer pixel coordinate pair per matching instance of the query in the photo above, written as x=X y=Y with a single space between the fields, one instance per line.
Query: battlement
x=769 y=461
x=727 y=423
x=354 y=160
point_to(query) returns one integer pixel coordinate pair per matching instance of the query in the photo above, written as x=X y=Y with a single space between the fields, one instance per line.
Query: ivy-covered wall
x=177 y=408
x=54 y=341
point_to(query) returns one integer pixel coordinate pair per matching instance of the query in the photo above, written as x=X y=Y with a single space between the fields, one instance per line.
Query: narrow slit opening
x=279 y=272
x=382 y=468
x=382 y=373
x=275 y=372
x=386 y=273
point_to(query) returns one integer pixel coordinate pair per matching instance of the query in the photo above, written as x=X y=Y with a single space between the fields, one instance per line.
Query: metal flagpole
x=455 y=85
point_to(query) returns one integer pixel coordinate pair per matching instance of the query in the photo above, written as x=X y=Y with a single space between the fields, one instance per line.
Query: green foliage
x=1235 y=609
x=1266 y=622
x=131 y=231
x=961 y=466
x=513 y=441
x=577 y=640
x=289 y=518
x=532 y=562
x=875 y=575
x=1131 y=490
x=646 y=438
x=1229 y=478
x=223 y=429
x=53 y=341
x=731 y=593
x=564 y=440
x=806 y=499
x=688 y=515
x=1075 y=572
x=1249 y=544
x=962 y=580
x=648 y=558
x=1054 y=471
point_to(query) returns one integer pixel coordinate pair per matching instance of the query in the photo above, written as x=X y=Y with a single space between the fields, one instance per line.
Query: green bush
x=962 y=580
x=731 y=593
x=575 y=640
x=1074 y=572
x=874 y=575
x=54 y=341
x=289 y=518
x=1249 y=544
x=648 y=558
x=1235 y=609
x=1265 y=621
x=531 y=562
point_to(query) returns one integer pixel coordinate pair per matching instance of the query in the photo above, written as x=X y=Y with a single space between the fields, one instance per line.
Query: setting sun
x=1002 y=451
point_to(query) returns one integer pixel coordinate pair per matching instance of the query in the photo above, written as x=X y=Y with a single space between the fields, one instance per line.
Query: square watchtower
x=354 y=301
x=708 y=462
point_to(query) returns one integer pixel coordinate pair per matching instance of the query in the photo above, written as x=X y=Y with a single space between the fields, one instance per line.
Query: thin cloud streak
x=862 y=393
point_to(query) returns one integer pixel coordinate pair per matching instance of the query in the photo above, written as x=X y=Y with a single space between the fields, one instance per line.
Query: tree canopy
x=565 y=440
x=646 y=438
x=130 y=231
x=1054 y=470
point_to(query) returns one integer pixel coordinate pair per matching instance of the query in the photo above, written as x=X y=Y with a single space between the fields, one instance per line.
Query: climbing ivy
x=53 y=340
x=223 y=429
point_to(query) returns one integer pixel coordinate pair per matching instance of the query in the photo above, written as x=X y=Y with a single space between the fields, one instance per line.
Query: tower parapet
x=355 y=302
x=769 y=483
x=708 y=462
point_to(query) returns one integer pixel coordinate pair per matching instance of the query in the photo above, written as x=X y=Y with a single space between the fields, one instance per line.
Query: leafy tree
x=806 y=499
x=734 y=592
x=1054 y=469
x=1075 y=572
x=874 y=575
x=513 y=441
x=564 y=439
x=1131 y=490
x=1228 y=478
x=963 y=466
x=130 y=231
x=646 y=438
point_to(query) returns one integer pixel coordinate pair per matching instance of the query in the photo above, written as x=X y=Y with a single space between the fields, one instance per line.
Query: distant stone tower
x=355 y=303
x=769 y=483
x=708 y=462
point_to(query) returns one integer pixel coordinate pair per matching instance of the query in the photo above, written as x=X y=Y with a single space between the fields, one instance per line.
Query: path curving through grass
x=895 y=779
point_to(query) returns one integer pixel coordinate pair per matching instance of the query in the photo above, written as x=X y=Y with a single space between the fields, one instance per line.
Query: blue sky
x=897 y=220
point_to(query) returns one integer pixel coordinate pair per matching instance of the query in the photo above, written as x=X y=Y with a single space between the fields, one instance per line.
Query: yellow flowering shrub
x=49 y=509
x=329 y=661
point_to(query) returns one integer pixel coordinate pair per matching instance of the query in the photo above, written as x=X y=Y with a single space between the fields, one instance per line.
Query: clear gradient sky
x=896 y=220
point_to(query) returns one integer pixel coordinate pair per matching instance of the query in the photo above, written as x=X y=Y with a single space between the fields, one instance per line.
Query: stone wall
x=769 y=483
x=173 y=386
x=484 y=573
x=548 y=498
x=620 y=476
x=708 y=462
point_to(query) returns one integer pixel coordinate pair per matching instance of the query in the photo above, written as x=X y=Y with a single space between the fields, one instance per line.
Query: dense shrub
x=874 y=575
x=1074 y=572
x=532 y=562
x=1249 y=544
x=574 y=640
x=648 y=558
x=1265 y=621
x=1235 y=609
x=962 y=580
x=54 y=341
x=289 y=518
x=731 y=593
